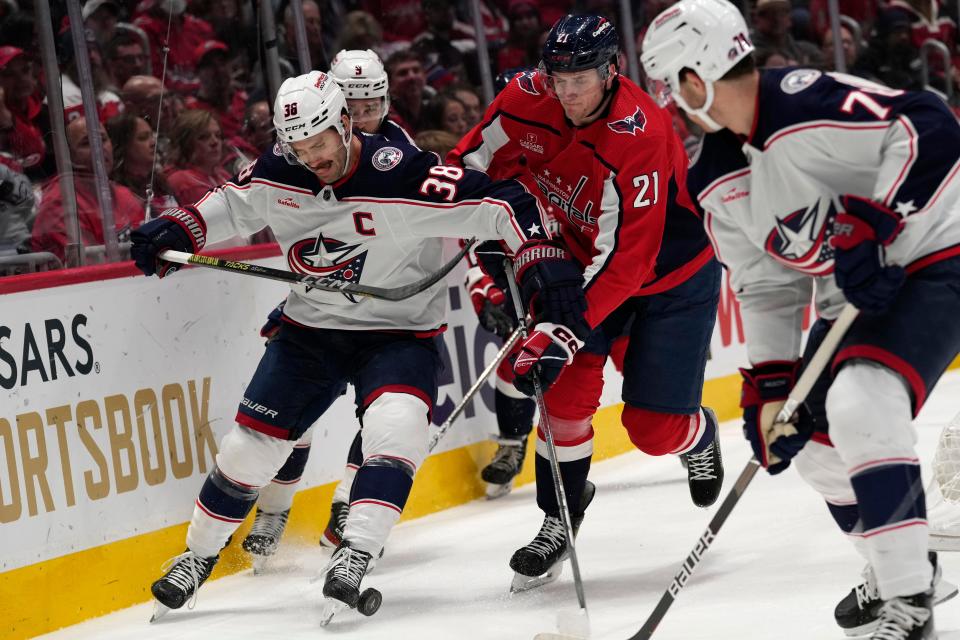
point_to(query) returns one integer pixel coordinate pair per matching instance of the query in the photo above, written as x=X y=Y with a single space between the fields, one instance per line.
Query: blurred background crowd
x=183 y=87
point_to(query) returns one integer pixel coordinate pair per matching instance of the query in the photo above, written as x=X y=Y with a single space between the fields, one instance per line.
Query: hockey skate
x=859 y=612
x=705 y=469
x=504 y=467
x=332 y=536
x=264 y=537
x=541 y=561
x=341 y=585
x=906 y=618
x=184 y=575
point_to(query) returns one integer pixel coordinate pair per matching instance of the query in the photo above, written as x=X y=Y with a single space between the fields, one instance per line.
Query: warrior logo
x=525 y=80
x=327 y=257
x=800 y=239
x=630 y=124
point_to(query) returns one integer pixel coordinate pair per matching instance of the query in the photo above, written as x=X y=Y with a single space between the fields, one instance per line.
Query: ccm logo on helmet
x=295 y=127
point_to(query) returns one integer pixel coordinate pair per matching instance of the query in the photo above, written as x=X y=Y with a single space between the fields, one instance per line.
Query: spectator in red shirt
x=403 y=19
x=19 y=130
x=217 y=92
x=49 y=229
x=196 y=153
x=407 y=90
x=187 y=32
x=523 y=43
x=256 y=136
x=126 y=58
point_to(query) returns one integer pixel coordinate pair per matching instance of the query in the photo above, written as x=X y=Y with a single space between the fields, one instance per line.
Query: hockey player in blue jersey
x=808 y=177
x=361 y=209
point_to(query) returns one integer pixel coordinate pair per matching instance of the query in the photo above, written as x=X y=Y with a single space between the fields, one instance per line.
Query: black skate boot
x=264 y=536
x=184 y=575
x=859 y=612
x=906 y=618
x=705 y=469
x=341 y=586
x=541 y=561
x=332 y=536
x=504 y=467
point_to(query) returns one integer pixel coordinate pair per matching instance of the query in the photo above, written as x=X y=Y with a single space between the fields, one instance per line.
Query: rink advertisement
x=118 y=390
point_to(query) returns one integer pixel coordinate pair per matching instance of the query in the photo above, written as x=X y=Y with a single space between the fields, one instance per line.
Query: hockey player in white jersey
x=359 y=209
x=808 y=176
x=363 y=80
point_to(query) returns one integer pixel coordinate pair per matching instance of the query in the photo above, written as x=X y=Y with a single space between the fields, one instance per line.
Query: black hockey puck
x=370 y=601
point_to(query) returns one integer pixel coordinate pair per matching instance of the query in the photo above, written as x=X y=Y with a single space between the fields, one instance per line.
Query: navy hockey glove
x=764 y=392
x=545 y=352
x=169 y=231
x=859 y=235
x=490 y=303
x=271 y=327
x=551 y=285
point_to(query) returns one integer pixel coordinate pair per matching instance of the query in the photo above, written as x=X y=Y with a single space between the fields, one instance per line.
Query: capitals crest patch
x=630 y=124
x=387 y=158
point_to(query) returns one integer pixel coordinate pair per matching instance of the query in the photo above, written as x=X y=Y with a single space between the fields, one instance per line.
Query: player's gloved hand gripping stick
x=780 y=423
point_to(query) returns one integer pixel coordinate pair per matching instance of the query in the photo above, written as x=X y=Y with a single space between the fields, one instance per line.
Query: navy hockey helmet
x=579 y=42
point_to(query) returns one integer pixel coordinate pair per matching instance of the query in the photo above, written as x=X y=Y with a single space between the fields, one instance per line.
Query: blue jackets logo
x=800 y=239
x=328 y=257
x=630 y=124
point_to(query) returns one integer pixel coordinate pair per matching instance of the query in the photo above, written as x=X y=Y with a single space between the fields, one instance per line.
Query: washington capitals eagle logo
x=327 y=257
x=800 y=239
x=525 y=80
x=630 y=124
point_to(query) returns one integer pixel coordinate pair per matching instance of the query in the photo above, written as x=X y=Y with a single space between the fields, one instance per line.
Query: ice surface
x=776 y=570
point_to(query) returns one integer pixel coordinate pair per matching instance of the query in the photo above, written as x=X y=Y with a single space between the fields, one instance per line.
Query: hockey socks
x=379 y=493
x=221 y=507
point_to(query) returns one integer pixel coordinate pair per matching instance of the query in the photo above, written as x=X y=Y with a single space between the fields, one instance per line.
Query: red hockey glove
x=490 y=303
x=544 y=354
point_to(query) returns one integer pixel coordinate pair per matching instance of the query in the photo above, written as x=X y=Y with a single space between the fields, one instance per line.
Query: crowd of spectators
x=183 y=102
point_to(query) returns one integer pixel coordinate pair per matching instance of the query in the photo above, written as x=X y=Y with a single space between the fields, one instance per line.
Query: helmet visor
x=561 y=84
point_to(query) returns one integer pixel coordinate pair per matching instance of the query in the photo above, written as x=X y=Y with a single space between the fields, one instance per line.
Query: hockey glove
x=169 y=231
x=545 y=352
x=859 y=235
x=490 y=303
x=765 y=390
x=271 y=327
x=551 y=285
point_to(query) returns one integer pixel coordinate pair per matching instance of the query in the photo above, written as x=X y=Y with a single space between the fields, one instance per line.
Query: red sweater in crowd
x=49 y=229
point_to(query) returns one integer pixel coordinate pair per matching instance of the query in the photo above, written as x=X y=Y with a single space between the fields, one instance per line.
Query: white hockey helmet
x=305 y=106
x=707 y=36
x=361 y=76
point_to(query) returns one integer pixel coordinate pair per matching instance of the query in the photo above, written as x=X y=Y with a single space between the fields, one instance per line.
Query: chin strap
x=700 y=113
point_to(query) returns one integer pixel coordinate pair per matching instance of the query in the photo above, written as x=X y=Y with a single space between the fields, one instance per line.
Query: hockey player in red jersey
x=594 y=147
x=810 y=178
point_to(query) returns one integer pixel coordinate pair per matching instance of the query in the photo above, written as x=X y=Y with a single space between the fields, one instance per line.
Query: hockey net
x=943 y=492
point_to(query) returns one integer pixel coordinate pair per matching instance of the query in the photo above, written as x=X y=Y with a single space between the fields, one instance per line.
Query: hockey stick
x=797 y=395
x=472 y=391
x=325 y=283
x=568 y=626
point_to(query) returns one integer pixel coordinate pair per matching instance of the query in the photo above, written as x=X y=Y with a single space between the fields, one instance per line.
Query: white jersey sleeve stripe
x=608 y=227
x=494 y=138
x=893 y=151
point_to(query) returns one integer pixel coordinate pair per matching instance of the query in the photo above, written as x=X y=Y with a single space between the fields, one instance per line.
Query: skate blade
x=523 y=583
x=495 y=491
x=943 y=590
x=330 y=608
x=159 y=610
x=260 y=564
